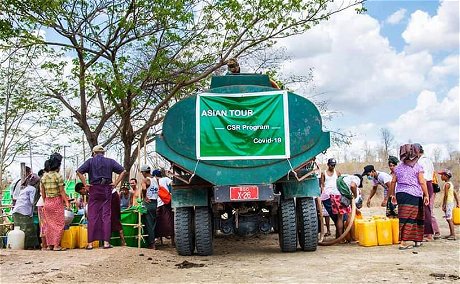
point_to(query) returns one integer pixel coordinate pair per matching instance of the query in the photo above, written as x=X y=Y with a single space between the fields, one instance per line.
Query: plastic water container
x=67 y=240
x=384 y=233
x=377 y=217
x=456 y=216
x=16 y=238
x=83 y=237
x=75 y=234
x=395 y=230
x=367 y=233
x=356 y=229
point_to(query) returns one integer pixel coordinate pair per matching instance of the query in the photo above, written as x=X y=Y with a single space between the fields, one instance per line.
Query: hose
x=321 y=242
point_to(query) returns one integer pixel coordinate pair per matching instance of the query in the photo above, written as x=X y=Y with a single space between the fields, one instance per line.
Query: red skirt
x=54 y=219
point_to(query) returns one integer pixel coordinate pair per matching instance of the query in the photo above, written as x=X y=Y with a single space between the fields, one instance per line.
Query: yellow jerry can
x=456 y=216
x=395 y=230
x=68 y=240
x=356 y=229
x=376 y=217
x=367 y=233
x=384 y=233
x=83 y=237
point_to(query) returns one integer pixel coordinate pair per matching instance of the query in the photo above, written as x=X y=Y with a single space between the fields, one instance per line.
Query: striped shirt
x=52 y=181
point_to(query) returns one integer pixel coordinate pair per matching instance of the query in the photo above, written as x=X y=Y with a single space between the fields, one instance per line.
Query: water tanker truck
x=243 y=159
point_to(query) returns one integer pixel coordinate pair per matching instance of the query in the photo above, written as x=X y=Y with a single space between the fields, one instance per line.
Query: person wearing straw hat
x=100 y=169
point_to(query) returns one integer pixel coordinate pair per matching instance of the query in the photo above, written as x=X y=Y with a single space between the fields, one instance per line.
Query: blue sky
x=394 y=67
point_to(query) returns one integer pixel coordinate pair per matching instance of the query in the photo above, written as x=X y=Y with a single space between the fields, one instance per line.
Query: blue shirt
x=99 y=167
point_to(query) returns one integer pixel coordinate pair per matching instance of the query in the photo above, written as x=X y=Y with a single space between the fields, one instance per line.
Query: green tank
x=242 y=155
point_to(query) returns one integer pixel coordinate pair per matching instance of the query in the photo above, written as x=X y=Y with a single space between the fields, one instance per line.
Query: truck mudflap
x=243 y=193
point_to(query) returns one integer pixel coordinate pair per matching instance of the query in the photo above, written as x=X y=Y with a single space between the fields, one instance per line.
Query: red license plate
x=244 y=192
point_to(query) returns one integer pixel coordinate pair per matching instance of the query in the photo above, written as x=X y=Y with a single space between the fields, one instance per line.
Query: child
x=448 y=201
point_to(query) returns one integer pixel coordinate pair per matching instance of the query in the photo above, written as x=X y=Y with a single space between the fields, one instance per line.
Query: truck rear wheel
x=308 y=223
x=287 y=227
x=183 y=230
x=203 y=231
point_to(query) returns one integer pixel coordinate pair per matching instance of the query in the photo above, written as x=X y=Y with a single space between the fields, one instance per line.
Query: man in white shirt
x=377 y=178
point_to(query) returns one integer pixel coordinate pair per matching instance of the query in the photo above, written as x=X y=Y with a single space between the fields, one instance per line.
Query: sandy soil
x=243 y=260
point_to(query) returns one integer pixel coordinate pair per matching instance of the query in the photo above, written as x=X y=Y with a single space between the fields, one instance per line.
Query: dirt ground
x=242 y=260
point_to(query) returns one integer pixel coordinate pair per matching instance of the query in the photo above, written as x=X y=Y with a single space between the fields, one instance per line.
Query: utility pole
x=65 y=146
x=30 y=154
x=83 y=145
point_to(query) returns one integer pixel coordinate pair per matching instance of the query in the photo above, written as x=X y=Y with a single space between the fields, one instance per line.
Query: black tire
x=203 y=231
x=307 y=223
x=287 y=226
x=183 y=230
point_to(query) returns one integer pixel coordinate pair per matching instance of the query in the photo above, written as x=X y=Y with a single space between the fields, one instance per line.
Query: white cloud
x=356 y=66
x=432 y=121
x=440 y=32
x=396 y=17
x=445 y=70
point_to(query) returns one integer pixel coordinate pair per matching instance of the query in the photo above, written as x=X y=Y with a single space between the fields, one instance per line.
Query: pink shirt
x=407 y=178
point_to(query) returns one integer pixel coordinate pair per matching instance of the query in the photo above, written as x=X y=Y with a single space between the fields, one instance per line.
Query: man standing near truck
x=100 y=169
x=328 y=183
x=150 y=187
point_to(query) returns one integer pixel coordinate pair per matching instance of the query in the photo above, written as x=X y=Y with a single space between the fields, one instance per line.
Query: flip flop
x=108 y=247
x=406 y=247
x=451 y=238
x=447 y=237
x=59 y=249
x=89 y=248
x=418 y=244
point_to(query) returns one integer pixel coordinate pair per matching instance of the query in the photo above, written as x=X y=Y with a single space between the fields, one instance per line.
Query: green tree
x=132 y=59
x=25 y=115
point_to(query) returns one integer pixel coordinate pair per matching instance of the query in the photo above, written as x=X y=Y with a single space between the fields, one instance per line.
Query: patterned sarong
x=54 y=218
x=165 y=221
x=410 y=214
x=41 y=220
